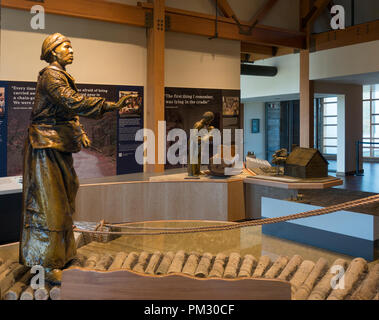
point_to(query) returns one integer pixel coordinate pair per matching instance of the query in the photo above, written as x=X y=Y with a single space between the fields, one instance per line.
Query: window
x=329 y=125
x=371 y=121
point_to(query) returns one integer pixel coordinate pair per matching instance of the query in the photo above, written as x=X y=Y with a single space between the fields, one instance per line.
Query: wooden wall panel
x=144 y=201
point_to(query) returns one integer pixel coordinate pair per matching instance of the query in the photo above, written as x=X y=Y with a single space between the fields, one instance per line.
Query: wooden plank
x=351 y=35
x=81 y=284
x=306 y=102
x=87 y=9
x=262 y=12
x=154 y=111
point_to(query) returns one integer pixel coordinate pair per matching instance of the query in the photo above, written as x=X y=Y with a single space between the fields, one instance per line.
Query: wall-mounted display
x=185 y=106
x=113 y=146
x=230 y=106
x=255 y=125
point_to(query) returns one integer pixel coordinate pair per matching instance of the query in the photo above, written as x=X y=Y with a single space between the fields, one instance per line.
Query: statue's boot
x=54 y=276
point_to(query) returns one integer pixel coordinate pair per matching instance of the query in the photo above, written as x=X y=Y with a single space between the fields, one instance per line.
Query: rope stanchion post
x=358 y=155
x=358 y=158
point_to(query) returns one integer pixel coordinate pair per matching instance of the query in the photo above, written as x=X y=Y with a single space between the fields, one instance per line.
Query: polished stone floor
x=368 y=182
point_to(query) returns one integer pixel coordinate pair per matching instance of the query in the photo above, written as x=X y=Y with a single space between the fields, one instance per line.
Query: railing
x=358 y=156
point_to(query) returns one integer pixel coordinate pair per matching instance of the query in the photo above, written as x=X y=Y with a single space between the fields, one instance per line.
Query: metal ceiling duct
x=249 y=69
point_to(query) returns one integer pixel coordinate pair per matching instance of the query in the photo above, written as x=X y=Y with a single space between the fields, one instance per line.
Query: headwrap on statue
x=50 y=43
x=208 y=116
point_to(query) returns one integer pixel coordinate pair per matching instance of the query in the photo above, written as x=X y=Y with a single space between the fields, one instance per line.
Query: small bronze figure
x=279 y=158
x=50 y=183
x=205 y=123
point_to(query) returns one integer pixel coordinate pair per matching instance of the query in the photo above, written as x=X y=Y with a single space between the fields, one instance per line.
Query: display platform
x=163 y=197
x=279 y=187
x=286 y=182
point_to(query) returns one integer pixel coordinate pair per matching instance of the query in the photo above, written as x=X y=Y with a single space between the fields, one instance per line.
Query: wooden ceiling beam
x=261 y=34
x=227 y=10
x=256 y=56
x=351 y=35
x=86 y=9
x=229 y=29
x=262 y=12
x=203 y=24
x=256 y=48
x=318 y=7
x=180 y=20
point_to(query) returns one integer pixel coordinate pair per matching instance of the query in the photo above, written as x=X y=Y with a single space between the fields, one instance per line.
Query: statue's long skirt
x=50 y=185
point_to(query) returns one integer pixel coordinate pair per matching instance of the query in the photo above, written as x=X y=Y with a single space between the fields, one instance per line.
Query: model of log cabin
x=306 y=163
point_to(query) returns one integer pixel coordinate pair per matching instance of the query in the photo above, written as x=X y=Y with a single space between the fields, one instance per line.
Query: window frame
x=373 y=149
x=324 y=139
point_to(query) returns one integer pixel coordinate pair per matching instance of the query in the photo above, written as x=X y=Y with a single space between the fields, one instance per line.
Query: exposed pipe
x=216 y=31
x=249 y=69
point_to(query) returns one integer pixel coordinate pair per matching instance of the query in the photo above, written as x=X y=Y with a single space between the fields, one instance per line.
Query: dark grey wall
x=363 y=11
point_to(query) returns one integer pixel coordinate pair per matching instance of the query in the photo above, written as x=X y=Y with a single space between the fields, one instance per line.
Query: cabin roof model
x=306 y=163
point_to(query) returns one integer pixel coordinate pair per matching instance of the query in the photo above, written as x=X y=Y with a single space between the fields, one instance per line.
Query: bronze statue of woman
x=50 y=183
x=194 y=163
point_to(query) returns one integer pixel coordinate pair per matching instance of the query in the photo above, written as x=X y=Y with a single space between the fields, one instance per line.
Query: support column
x=306 y=86
x=154 y=108
x=341 y=135
x=306 y=103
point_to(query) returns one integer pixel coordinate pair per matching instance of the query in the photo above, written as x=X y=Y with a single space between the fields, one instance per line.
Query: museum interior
x=281 y=203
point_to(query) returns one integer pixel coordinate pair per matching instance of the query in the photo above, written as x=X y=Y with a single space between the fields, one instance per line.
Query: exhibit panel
x=112 y=140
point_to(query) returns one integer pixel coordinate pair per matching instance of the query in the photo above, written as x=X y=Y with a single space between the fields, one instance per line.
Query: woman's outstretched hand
x=112 y=106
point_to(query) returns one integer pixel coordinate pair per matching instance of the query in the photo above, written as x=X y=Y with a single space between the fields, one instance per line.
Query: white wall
x=254 y=141
x=104 y=53
x=108 y=53
x=197 y=62
x=285 y=82
x=350 y=60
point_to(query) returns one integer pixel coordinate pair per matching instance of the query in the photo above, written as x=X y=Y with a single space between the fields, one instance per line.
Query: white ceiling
x=362 y=79
x=365 y=78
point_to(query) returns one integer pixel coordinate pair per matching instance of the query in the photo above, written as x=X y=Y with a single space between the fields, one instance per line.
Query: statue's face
x=64 y=54
x=208 y=120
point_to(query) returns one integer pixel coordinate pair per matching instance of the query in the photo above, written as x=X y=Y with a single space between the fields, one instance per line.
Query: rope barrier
x=306 y=214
